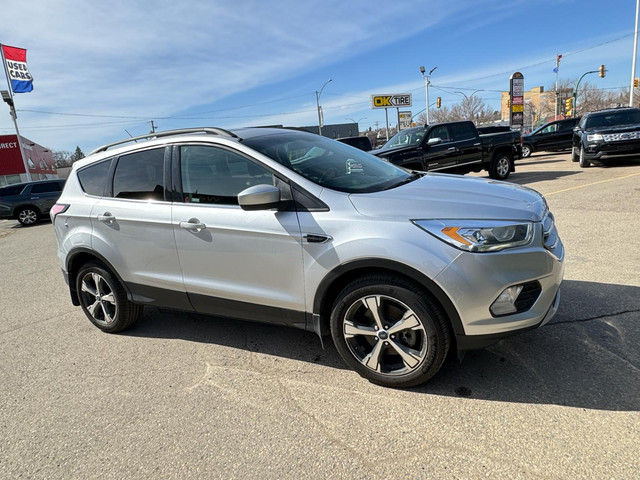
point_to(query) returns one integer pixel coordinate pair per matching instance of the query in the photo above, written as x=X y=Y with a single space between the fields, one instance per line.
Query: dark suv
x=606 y=133
x=28 y=202
x=552 y=136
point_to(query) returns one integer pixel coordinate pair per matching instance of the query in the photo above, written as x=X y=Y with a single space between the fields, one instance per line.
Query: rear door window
x=45 y=187
x=140 y=176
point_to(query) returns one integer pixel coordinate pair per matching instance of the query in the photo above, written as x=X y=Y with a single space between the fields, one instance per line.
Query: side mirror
x=434 y=141
x=259 y=197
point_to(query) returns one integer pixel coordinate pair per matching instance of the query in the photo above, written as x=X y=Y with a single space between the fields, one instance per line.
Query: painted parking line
x=590 y=184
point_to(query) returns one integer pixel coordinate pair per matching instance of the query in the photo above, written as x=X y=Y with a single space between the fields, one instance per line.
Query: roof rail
x=168 y=133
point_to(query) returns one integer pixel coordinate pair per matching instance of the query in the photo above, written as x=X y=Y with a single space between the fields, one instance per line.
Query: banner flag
x=17 y=72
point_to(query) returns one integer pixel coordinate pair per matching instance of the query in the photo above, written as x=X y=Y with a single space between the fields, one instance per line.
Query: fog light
x=506 y=301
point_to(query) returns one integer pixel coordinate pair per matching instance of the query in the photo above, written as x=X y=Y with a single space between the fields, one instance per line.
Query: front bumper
x=601 y=150
x=474 y=281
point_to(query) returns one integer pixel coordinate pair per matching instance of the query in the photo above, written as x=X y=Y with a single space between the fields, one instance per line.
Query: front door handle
x=193 y=224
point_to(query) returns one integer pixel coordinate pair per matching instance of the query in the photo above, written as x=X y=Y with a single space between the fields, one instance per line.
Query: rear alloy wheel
x=388 y=331
x=500 y=167
x=28 y=216
x=526 y=150
x=103 y=299
x=584 y=163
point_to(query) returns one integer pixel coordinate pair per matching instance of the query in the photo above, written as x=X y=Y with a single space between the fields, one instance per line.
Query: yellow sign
x=517 y=108
x=390 y=101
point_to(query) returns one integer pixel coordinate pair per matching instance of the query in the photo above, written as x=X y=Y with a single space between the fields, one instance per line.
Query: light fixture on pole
x=427 y=82
x=320 y=119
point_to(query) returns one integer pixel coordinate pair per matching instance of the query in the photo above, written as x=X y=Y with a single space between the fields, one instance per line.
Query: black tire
x=103 y=300
x=28 y=216
x=527 y=150
x=574 y=156
x=584 y=163
x=404 y=345
x=500 y=166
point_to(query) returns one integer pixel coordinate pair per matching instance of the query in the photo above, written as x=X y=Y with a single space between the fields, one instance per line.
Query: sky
x=104 y=70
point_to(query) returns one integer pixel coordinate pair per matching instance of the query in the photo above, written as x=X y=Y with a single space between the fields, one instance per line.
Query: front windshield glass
x=411 y=137
x=612 y=119
x=329 y=163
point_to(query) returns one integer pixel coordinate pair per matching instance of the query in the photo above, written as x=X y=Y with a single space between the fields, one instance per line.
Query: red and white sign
x=39 y=159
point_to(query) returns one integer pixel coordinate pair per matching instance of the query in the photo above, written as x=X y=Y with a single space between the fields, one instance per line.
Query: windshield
x=411 y=137
x=329 y=163
x=612 y=119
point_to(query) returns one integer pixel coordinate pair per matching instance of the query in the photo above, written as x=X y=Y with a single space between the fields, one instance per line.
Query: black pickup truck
x=454 y=147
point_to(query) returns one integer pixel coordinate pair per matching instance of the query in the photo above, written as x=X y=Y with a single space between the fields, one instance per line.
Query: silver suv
x=287 y=227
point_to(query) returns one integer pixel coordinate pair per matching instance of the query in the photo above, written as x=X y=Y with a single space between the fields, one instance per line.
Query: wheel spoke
x=109 y=298
x=351 y=330
x=92 y=308
x=373 y=304
x=105 y=312
x=88 y=289
x=410 y=357
x=373 y=359
x=96 y=281
x=408 y=321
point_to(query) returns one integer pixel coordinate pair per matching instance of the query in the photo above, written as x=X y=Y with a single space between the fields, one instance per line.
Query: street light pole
x=427 y=82
x=575 y=92
x=635 y=51
x=318 y=106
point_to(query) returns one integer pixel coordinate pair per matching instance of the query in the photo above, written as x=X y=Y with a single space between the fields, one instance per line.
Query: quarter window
x=217 y=175
x=93 y=178
x=140 y=176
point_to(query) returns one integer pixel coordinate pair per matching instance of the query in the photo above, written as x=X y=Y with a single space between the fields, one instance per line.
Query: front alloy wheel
x=387 y=331
x=526 y=150
x=584 y=163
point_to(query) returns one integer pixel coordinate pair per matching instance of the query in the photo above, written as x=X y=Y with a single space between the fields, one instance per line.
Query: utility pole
x=635 y=51
x=153 y=127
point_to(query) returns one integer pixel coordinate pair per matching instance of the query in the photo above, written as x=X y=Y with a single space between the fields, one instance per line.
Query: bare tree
x=62 y=158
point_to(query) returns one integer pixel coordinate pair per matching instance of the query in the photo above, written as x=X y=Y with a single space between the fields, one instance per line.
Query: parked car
x=454 y=147
x=606 y=134
x=552 y=136
x=28 y=202
x=292 y=228
x=363 y=143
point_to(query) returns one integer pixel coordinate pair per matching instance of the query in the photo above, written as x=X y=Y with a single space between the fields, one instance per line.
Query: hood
x=614 y=129
x=444 y=196
x=381 y=152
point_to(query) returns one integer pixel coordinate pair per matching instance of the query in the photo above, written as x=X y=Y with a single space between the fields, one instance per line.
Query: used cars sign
x=391 y=101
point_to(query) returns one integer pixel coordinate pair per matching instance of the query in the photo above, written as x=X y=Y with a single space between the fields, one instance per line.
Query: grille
x=620 y=137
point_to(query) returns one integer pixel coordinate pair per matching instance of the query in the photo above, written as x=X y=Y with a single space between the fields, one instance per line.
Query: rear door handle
x=106 y=217
x=451 y=149
x=193 y=224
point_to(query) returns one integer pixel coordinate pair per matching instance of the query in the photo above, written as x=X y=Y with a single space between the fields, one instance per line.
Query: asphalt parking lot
x=189 y=396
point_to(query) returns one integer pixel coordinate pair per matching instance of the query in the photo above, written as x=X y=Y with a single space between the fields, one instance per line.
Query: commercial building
x=38 y=158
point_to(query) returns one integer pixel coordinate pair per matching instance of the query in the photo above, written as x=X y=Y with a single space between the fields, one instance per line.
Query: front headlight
x=479 y=235
x=596 y=137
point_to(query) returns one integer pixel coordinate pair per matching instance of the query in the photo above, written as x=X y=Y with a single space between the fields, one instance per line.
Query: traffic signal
x=602 y=71
x=568 y=106
x=636 y=82
x=509 y=103
x=438 y=102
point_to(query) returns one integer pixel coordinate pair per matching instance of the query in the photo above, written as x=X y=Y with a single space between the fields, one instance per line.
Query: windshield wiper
x=414 y=176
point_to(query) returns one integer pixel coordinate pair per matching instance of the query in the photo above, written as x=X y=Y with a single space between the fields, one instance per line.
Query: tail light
x=56 y=209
